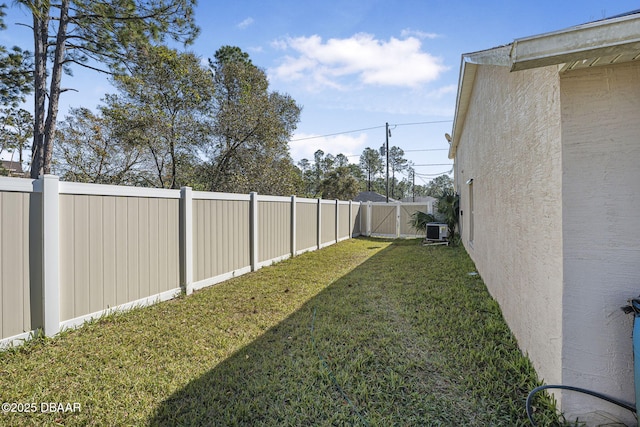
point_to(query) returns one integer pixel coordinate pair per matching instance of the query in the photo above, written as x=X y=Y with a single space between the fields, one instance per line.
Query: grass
x=365 y=332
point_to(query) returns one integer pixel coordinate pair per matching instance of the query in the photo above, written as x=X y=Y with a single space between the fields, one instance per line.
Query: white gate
x=392 y=219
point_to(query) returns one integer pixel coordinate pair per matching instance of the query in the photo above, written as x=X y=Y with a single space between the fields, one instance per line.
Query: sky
x=355 y=65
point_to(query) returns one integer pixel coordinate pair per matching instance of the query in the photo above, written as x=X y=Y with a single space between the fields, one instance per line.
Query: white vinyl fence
x=391 y=219
x=70 y=252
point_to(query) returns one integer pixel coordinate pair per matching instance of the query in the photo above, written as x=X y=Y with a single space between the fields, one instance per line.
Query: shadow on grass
x=377 y=347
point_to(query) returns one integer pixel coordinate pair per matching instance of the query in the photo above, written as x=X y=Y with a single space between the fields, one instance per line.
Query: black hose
x=533 y=392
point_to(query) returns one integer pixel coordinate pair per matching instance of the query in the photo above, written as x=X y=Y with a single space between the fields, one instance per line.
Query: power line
x=371 y=128
x=432 y=175
x=427 y=149
x=422 y=123
x=337 y=133
x=410 y=151
x=422 y=176
x=423 y=180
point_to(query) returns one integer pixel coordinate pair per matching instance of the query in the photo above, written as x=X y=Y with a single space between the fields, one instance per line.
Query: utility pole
x=413 y=185
x=387 y=134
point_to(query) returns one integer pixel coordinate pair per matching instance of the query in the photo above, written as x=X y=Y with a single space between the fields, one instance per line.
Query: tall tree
x=86 y=150
x=163 y=106
x=397 y=163
x=318 y=168
x=439 y=185
x=371 y=164
x=265 y=175
x=15 y=130
x=419 y=190
x=15 y=72
x=89 y=33
x=252 y=125
x=304 y=166
x=402 y=189
x=307 y=176
x=328 y=170
x=341 y=160
x=328 y=164
x=15 y=84
x=339 y=184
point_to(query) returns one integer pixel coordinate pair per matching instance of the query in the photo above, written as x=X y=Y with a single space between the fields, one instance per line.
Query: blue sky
x=356 y=64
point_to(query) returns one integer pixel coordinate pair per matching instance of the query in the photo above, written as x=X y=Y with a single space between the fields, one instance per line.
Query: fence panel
x=221 y=242
x=328 y=222
x=406 y=211
x=15 y=277
x=383 y=220
x=356 y=219
x=344 y=223
x=306 y=225
x=115 y=247
x=365 y=219
x=115 y=250
x=274 y=229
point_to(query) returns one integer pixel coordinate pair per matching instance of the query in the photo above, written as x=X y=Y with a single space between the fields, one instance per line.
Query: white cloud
x=408 y=32
x=373 y=62
x=280 y=44
x=445 y=90
x=246 y=23
x=304 y=145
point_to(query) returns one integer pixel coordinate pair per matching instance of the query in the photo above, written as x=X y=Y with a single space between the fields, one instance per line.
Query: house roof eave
x=607 y=41
x=609 y=37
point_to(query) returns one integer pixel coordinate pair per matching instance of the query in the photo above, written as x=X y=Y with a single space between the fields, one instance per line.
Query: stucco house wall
x=510 y=147
x=601 y=241
x=546 y=150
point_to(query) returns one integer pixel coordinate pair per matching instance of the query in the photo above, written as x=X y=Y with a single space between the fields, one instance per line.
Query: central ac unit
x=437 y=231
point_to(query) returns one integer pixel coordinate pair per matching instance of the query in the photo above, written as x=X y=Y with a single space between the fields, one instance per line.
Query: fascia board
x=465 y=85
x=599 y=38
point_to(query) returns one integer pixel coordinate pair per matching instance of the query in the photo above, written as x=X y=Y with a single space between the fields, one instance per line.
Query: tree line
x=175 y=122
x=334 y=177
x=174 y=119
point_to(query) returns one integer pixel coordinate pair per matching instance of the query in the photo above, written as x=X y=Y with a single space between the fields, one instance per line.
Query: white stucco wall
x=510 y=146
x=601 y=234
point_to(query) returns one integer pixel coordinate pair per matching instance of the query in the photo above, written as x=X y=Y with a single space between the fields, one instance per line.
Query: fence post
x=294 y=220
x=350 y=219
x=50 y=254
x=398 y=208
x=253 y=229
x=369 y=213
x=337 y=230
x=186 y=238
x=319 y=237
x=360 y=215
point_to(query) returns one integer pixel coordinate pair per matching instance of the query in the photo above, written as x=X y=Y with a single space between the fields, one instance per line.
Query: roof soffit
x=604 y=42
x=617 y=39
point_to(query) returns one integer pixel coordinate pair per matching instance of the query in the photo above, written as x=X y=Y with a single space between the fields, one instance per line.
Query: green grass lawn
x=365 y=332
